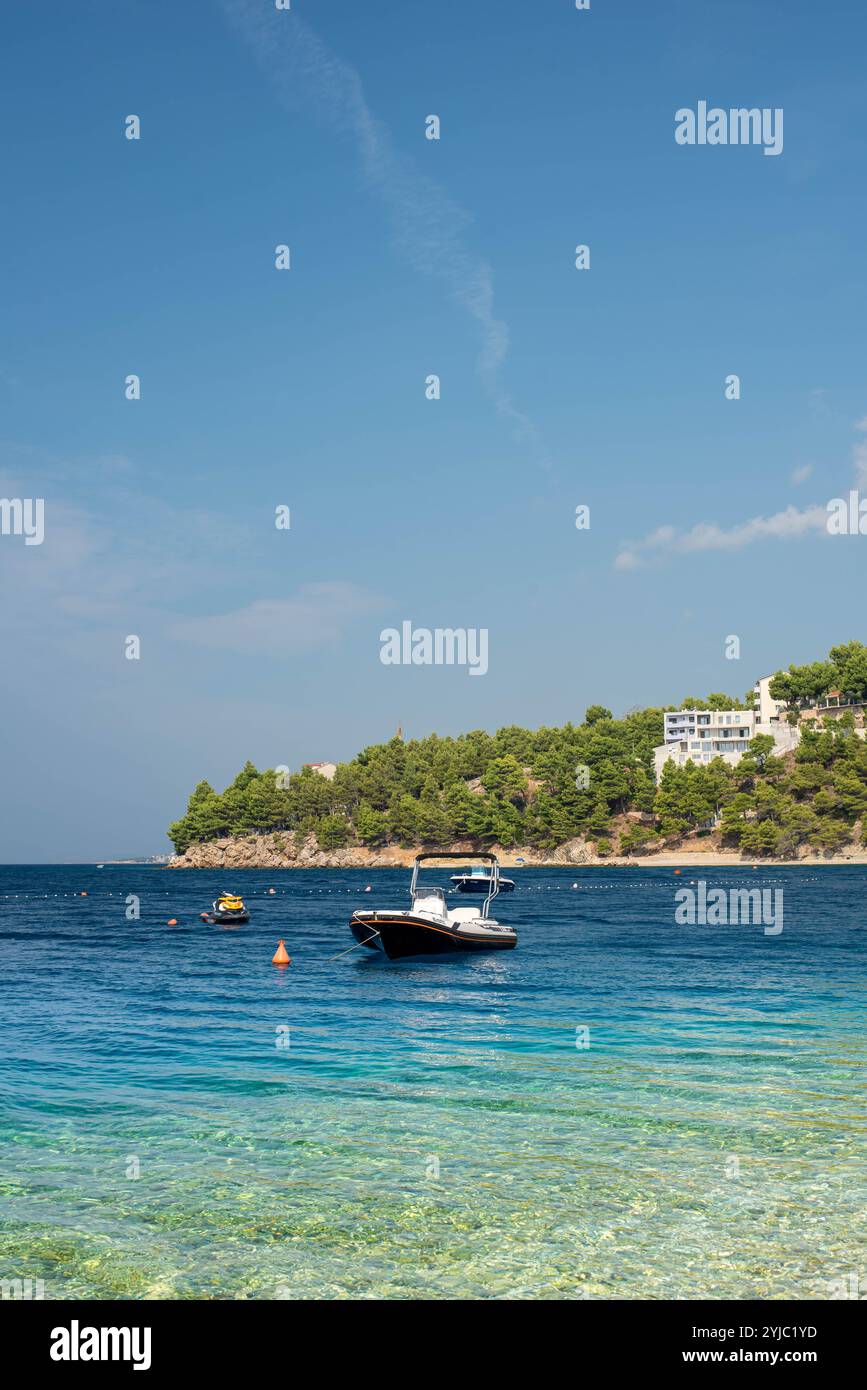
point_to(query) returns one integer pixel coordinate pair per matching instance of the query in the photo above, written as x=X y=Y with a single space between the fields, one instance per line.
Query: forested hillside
x=543 y=788
x=512 y=787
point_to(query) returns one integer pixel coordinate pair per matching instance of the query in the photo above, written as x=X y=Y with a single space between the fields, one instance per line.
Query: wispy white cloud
x=316 y=615
x=427 y=225
x=133 y=563
x=790 y=524
x=859 y=455
x=784 y=525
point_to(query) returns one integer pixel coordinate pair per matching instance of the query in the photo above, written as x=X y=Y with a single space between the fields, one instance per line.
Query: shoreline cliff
x=303 y=852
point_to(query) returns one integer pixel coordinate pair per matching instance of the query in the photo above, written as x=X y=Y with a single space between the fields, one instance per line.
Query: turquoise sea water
x=431 y=1129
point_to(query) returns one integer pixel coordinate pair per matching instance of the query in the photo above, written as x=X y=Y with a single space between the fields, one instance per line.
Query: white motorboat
x=478 y=880
x=428 y=927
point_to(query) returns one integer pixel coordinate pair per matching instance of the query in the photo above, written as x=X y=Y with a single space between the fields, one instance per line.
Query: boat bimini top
x=419 y=898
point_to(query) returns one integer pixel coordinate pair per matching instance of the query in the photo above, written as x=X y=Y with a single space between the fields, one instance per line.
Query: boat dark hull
x=401 y=936
x=226 y=917
x=481 y=885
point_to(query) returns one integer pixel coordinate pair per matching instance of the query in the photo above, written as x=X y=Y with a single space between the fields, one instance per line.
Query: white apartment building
x=700 y=735
x=768 y=711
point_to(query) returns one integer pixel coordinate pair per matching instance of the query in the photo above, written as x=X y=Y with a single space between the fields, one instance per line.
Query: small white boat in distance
x=478 y=880
x=427 y=927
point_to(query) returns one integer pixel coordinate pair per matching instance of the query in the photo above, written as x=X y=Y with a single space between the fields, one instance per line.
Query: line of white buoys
x=525 y=888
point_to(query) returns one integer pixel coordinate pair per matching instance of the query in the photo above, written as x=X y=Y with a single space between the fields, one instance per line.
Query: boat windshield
x=429 y=900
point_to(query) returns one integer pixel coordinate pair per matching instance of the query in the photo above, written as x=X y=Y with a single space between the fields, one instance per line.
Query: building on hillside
x=775 y=712
x=831 y=704
x=768 y=710
x=718 y=725
x=699 y=735
x=326 y=770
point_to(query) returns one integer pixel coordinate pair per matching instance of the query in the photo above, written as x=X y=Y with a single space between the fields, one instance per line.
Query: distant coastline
x=154 y=859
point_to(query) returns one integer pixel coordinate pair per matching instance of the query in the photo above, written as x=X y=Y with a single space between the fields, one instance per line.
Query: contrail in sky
x=427 y=226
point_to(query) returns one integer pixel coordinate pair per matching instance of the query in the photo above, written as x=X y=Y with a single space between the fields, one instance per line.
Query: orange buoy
x=280 y=957
x=172 y=922
x=84 y=895
x=677 y=871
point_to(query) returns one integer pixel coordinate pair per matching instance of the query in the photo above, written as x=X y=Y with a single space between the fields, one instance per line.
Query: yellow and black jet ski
x=228 y=908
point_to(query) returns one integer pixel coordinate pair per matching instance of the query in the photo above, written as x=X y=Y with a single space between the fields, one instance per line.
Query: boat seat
x=464 y=914
x=431 y=903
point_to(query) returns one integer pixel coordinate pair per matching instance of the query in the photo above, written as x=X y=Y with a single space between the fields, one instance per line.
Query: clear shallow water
x=432 y=1129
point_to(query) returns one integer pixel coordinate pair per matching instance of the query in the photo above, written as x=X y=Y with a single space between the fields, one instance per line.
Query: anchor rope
x=328 y=959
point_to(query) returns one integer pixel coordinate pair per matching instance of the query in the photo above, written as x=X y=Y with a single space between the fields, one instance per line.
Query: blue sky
x=306 y=388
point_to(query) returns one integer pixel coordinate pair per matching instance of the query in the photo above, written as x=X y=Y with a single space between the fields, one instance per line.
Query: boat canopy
x=452 y=854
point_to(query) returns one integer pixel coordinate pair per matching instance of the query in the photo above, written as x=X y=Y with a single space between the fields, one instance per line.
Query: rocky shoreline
x=287 y=851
